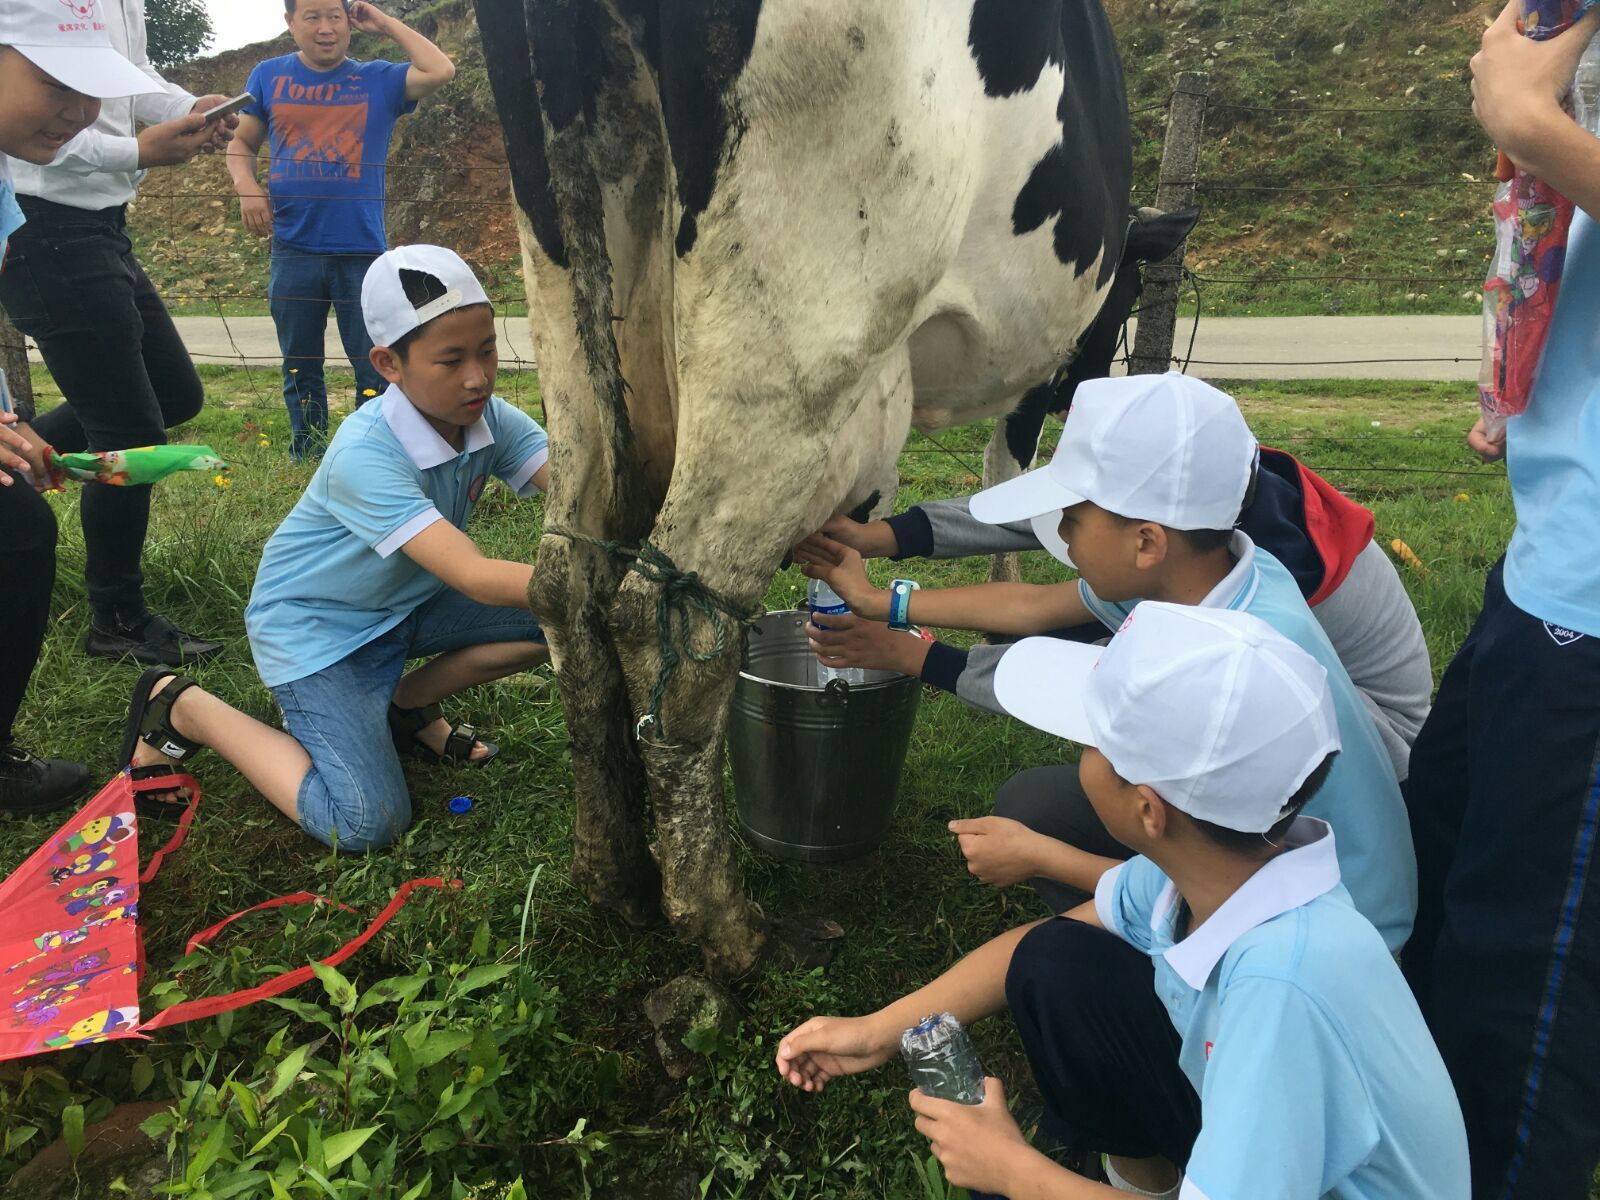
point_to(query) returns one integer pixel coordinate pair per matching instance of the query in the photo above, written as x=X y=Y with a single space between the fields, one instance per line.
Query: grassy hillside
x=1395 y=189
x=1393 y=196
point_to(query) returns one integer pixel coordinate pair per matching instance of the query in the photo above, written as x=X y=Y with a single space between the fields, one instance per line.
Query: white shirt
x=100 y=167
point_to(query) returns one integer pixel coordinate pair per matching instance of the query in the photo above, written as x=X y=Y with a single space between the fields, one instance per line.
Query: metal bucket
x=815 y=770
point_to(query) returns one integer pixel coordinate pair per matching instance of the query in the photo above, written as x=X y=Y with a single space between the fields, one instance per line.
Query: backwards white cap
x=70 y=41
x=1221 y=715
x=389 y=315
x=1164 y=448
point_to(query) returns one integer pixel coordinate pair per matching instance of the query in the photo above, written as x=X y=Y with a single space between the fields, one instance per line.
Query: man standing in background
x=330 y=119
x=73 y=285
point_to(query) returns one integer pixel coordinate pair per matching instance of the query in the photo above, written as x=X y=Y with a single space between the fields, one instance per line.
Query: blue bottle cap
x=461 y=804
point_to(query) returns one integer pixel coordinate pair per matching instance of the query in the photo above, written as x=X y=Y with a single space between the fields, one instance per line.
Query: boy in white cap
x=1219 y=1023
x=1145 y=488
x=373 y=568
x=54 y=72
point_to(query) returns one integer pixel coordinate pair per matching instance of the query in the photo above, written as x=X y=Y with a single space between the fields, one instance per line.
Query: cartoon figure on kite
x=84 y=864
x=56 y=939
x=96 y=1027
x=99 y=834
x=106 y=893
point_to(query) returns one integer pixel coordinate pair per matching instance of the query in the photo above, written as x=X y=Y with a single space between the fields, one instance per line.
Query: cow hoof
x=639 y=908
x=803 y=942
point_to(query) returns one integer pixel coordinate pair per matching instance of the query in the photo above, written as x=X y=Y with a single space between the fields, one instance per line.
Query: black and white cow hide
x=762 y=239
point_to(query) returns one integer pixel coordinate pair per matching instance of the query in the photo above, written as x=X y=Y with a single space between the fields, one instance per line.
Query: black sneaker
x=30 y=785
x=157 y=642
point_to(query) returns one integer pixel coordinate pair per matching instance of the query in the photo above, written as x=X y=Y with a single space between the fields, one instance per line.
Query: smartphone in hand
x=228 y=107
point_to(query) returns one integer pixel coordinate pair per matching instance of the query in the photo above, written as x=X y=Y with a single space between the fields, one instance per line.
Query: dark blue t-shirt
x=329 y=137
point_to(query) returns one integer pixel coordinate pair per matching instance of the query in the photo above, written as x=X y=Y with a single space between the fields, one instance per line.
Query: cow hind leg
x=611 y=861
x=1010 y=452
x=729 y=519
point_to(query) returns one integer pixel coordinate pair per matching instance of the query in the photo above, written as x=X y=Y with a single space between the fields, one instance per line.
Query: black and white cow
x=762 y=239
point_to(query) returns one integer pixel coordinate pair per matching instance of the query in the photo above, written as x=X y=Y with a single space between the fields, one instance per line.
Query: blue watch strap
x=900 y=603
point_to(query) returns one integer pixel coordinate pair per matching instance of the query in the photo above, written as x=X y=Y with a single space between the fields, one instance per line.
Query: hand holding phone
x=228 y=107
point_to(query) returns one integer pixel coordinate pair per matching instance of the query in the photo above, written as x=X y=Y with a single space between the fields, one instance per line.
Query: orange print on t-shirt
x=320 y=141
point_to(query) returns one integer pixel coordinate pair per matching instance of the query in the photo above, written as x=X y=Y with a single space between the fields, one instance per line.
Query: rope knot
x=682 y=596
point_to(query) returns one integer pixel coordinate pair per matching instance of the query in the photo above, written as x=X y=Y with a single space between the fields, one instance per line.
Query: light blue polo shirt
x=1361 y=796
x=1316 y=1073
x=1553 y=456
x=332 y=577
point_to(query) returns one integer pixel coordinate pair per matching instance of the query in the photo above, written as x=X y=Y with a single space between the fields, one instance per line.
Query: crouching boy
x=1220 y=1023
x=372 y=569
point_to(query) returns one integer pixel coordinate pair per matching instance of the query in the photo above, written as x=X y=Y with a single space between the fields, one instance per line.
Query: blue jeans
x=340 y=718
x=303 y=287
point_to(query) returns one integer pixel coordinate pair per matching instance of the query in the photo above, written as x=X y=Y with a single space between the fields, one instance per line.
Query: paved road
x=1227 y=347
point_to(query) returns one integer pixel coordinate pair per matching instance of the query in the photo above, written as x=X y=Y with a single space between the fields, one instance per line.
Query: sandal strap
x=459 y=744
x=155 y=729
x=408 y=722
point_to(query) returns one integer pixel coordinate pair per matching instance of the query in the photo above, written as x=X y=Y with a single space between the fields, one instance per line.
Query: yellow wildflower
x=222 y=481
x=369 y=392
x=1462 y=497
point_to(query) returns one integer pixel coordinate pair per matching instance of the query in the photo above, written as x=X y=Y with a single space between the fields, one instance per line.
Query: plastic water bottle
x=823 y=601
x=942 y=1060
x=1586 y=89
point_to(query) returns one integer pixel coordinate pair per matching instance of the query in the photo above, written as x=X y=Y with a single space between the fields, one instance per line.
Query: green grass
x=908 y=909
x=1400 y=190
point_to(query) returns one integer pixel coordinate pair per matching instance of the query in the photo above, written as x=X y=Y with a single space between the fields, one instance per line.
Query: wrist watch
x=900 y=603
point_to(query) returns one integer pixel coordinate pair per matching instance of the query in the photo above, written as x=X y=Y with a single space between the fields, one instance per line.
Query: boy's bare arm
x=431 y=67
x=452 y=557
x=1518 y=85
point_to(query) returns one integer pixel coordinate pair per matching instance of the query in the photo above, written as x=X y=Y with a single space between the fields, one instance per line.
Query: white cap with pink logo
x=70 y=41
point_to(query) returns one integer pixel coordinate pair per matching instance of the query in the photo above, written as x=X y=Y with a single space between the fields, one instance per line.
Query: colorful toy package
x=129 y=468
x=1531 y=224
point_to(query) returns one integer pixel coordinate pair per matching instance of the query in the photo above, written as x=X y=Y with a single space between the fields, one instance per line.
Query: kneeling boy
x=1220 y=1009
x=1144 y=490
x=371 y=569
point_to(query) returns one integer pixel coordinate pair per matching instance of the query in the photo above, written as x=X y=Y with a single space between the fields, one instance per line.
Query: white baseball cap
x=70 y=41
x=387 y=311
x=1164 y=448
x=1221 y=715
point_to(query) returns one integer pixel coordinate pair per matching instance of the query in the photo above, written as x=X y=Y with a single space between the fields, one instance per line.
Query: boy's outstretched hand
x=841 y=568
x=851 y=641
x=870 y=539
x=826 y=1048
x=998 y=850
x=978 y=1145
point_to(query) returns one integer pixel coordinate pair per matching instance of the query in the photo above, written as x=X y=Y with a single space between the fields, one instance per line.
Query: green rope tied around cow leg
x=682 y=595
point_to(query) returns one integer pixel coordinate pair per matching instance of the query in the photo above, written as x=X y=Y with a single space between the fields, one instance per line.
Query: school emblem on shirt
x=476 y=489
x=1209 y=1047
x=1562 y=636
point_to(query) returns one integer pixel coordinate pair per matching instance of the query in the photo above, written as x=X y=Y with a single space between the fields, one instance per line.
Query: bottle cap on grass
x=461 y=804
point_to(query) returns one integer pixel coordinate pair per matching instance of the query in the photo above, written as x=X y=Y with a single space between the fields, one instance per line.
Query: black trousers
x=1050 y=800
x=1103 y=1051
x=28 y=533
x=72 y=284
x=1504 y=800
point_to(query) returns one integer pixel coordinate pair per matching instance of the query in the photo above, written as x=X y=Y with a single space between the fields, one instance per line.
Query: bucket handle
x=836 y=694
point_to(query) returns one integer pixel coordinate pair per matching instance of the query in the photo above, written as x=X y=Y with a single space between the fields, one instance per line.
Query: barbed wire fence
x=467 y=196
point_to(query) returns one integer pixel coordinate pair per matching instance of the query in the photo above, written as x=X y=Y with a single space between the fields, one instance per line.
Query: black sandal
x=406 y=723
x=150 y=721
